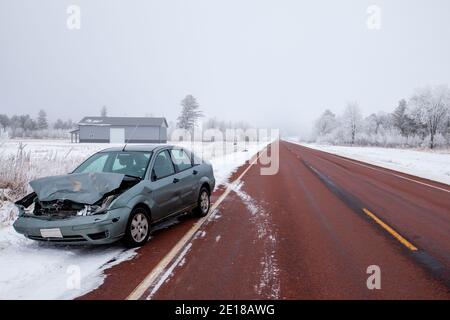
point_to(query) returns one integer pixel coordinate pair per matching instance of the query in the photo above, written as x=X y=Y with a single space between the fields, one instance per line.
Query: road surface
x=309 y=232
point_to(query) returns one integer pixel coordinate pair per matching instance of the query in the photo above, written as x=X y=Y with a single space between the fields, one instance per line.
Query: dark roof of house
x=123 y=121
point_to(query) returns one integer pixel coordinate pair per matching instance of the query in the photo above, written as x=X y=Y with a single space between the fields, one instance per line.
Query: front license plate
x=51 y=233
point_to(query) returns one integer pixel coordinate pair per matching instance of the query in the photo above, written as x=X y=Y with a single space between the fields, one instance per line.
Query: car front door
x=186 y=177
x=165 y=191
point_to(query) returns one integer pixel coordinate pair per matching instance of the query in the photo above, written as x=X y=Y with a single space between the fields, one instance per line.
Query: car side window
x=181 y=160
x=163 y=166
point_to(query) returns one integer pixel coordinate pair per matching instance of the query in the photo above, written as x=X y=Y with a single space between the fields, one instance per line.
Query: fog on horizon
x=269 y=63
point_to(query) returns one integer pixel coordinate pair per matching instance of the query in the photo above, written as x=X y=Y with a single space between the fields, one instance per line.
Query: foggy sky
x=274 y=63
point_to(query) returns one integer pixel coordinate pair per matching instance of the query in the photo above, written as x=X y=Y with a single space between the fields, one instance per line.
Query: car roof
x=138 y=147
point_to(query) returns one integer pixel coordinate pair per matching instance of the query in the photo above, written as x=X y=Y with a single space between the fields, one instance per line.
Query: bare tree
x=190 y=113
x=352 y=119
x=431 y=106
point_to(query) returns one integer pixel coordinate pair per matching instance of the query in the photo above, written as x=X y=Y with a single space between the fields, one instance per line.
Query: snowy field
x=35 y=270
x=433 y=165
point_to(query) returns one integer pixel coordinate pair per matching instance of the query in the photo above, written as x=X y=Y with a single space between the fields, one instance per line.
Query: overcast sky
x=272 y=63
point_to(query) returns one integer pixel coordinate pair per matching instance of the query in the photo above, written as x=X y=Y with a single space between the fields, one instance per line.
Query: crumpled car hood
x=86 y=188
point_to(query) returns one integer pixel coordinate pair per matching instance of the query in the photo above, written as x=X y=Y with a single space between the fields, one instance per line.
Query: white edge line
x=148 y=281
x=393 y=174
x=169 y=270
x=384 y=170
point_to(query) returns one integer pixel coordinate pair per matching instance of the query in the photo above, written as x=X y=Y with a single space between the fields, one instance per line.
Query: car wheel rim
x=204 y=202
x=139 y=227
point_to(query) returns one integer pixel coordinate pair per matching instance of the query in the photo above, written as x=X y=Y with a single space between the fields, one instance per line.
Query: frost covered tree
x=377 y=121
x=445 y=128
x=21 y=125
x=69 y=124
x=400 y=118
x=325 y=124
x=42 y=120
x=424 y=117
x=352 y=120
x=214 y=123
x=59 y=124
x=4 y=121
x=430 y=107
x=190 y=113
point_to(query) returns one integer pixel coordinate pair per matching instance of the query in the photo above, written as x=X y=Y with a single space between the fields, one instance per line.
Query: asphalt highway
x=315 y=230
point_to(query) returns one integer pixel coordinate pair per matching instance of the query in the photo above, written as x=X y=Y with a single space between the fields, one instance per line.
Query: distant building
x=121 y=130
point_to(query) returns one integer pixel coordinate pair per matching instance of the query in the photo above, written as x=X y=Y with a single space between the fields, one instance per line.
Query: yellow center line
x=396 y=235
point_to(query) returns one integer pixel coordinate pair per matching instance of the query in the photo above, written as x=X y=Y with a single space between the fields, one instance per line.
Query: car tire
x=138 y=228
x=203 y=203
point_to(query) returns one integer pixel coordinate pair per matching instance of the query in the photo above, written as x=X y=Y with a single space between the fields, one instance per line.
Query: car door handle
x=175 y=180
x=194 y=172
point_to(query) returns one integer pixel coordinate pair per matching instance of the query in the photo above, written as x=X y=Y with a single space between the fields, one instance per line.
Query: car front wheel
x=138 y=228
x=203 y=203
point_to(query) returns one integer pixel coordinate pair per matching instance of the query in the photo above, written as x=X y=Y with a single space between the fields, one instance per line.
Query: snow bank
x=433 y=165
x=35 y=270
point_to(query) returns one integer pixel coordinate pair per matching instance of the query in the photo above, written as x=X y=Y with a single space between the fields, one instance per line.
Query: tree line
x=421 y=121
x=25 y=126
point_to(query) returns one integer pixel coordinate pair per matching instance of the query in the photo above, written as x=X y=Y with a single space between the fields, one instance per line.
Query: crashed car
x=117 y=193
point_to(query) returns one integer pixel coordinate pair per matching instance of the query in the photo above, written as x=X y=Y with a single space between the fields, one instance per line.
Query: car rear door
x=186 y=176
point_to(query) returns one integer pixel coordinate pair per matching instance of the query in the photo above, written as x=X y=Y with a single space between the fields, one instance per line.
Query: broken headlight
x=90 y=210
x=28 y=210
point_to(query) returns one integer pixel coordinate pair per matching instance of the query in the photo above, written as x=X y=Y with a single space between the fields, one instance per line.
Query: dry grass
x=17 y=169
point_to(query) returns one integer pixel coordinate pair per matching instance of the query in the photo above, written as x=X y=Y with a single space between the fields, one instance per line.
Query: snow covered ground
x=34 y=270
x=433 y=165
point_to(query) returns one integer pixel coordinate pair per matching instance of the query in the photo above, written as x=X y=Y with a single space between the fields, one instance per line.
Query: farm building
x=121 y=130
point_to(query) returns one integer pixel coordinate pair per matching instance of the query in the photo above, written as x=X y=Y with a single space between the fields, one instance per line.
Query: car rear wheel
x=203 y=203
x=138 y=228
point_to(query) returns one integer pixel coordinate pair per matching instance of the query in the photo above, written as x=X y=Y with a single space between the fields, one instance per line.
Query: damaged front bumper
x=95 y=229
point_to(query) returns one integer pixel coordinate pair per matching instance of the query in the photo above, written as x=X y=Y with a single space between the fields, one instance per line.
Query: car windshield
x=125 y=162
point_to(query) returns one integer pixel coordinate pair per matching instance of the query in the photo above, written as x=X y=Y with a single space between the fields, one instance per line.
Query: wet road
x=309 y=232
